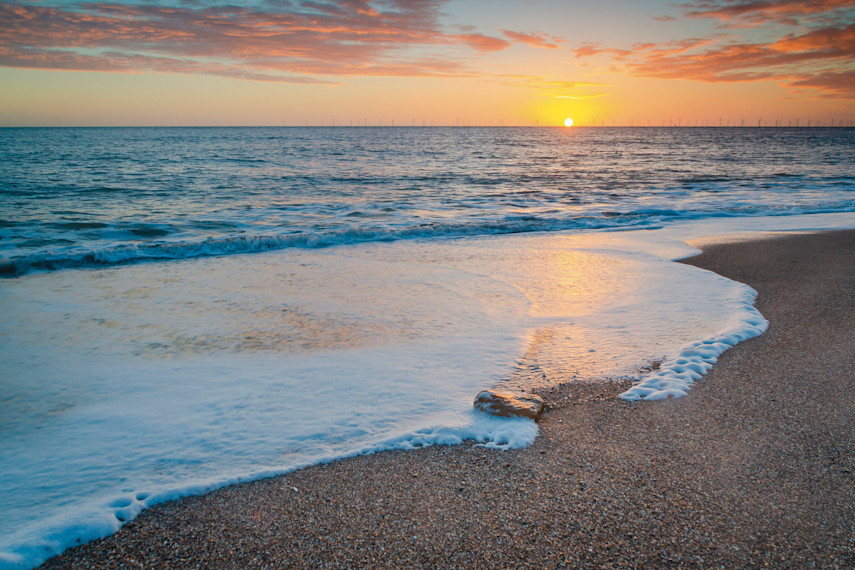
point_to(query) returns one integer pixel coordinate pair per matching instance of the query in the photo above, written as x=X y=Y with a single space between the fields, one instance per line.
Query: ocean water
x=83 y=197
x=186 y=308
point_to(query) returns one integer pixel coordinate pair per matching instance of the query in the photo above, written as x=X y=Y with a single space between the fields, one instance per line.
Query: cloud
x=590 y=49
x=272 y=41
x=560 y=89
x=124 y=63
x=783 y=58
x=761 y=12
x=483 y=43
x=578 y=97
x=544 y=84
x=812 y=45
x=833 y=85
x=830 y=42
x=536 y=40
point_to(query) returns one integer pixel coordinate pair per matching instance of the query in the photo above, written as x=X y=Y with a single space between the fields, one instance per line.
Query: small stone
x=507 y=404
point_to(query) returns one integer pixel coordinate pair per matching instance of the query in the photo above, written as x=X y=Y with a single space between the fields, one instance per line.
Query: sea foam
x=129 y=386
x=675 y=376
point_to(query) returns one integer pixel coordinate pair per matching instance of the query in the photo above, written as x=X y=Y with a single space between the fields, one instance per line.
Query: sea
x=186 y=308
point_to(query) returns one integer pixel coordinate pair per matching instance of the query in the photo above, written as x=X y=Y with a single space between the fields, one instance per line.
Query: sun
x=568 y=122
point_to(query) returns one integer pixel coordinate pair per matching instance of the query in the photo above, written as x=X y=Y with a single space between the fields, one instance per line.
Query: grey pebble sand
x=755 y=467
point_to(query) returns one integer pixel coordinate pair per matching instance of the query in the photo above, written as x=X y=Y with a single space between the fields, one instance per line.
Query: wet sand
x=756 y=466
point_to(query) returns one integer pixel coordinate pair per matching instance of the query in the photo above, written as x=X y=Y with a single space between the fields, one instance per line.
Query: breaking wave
x=79 y=257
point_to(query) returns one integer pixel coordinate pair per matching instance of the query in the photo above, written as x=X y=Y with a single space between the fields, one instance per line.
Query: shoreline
x=755 y=465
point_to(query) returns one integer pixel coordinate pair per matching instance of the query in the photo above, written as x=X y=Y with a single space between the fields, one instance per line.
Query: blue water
x=75 y=197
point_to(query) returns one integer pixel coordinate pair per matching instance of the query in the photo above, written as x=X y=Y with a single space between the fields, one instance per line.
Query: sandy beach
x=755 y=467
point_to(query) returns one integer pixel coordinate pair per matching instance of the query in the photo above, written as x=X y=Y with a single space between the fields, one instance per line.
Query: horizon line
x=810 y=125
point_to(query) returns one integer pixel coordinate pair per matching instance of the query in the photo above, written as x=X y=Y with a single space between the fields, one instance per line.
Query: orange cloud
x=536 y=40
x=819 y=56
x=483 y=43
x=292 y=44
x=829 y=41
x=589 y=49
x=735 y=62
x=758 y=12
x=833 y=85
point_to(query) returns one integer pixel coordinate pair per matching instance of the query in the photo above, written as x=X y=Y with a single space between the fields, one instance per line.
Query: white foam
x=676 y=375
x=128 y=386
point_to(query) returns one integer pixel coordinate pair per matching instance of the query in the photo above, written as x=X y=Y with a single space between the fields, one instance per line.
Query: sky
x=427 y=62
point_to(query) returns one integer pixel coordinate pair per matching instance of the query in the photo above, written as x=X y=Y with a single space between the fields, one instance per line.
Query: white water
x=128 y=386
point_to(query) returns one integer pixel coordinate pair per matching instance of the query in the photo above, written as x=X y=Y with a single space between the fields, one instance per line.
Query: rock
x=507 y=404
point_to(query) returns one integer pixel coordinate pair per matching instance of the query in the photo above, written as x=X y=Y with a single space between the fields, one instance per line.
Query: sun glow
x=568 y=122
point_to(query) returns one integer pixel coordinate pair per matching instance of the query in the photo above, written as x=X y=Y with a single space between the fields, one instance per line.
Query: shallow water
x=132 y=385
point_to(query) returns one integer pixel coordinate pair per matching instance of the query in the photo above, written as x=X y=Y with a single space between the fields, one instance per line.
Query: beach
x=753 y=467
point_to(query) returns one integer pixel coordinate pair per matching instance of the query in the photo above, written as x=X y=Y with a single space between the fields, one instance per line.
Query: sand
x=755 y=467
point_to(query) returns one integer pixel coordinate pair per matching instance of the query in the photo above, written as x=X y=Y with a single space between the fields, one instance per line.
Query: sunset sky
x=475 y=62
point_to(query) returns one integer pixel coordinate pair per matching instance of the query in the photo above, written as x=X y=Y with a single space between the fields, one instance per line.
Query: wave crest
x=77 y=257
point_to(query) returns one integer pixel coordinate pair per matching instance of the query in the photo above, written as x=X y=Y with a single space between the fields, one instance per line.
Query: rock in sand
x=507 y=404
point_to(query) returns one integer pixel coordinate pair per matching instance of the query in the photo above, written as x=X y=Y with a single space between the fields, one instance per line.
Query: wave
x=76 y=257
